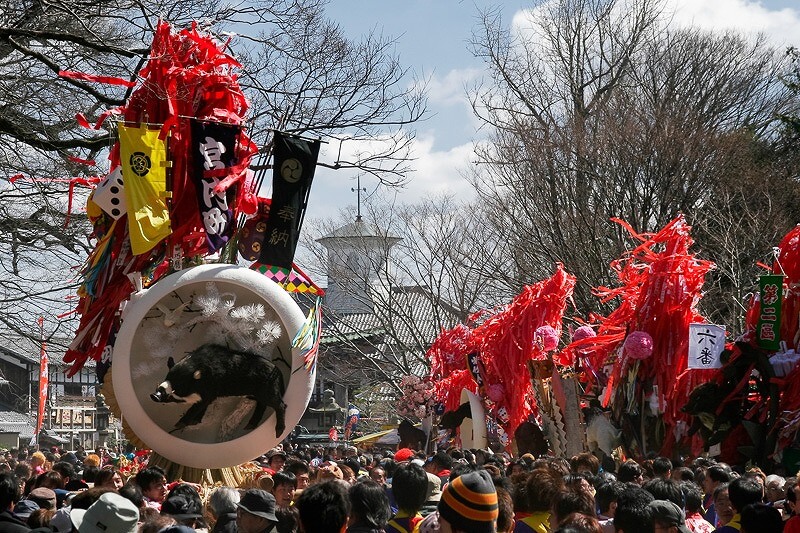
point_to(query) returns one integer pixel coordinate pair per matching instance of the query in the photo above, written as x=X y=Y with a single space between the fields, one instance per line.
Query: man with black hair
x=761 y=518
x=715 y=475
x=632 y=514
x=301 y=471
x=665 y=489
x=153 y=483
x=9 y=494
x=572 y=499
x=662 y=467
x=378 y=475
x=541 y=488
x=409 y=487
x=284 y=485
x=325 y=507
x=67 y=473
x=606 y=498
x=693 y=498
x=440 y=465
x=630 y=472
x=742 y=492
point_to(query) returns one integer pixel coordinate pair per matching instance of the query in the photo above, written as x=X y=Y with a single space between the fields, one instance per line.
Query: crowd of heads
x=344 y=489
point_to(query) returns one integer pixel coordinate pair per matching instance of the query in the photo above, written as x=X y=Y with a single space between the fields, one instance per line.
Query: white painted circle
x=137 y=372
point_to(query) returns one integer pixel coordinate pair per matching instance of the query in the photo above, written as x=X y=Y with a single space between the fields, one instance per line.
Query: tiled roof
x=28 y=349
x=406 y=319
x=14 y=422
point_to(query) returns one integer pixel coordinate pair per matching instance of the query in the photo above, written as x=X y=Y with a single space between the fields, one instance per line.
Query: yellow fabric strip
x=144 y=162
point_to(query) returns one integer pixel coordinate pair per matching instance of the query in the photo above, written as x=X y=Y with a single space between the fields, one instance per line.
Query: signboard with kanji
x=769 y=319
x=706 y=342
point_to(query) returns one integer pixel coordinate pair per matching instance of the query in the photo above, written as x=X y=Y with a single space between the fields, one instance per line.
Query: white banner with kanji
x=706 y=342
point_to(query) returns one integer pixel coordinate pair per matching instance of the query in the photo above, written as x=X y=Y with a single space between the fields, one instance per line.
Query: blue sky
x=432 y=38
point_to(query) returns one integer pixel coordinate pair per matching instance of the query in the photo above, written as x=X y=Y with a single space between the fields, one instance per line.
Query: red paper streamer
x=107 y=80
x=187 y=75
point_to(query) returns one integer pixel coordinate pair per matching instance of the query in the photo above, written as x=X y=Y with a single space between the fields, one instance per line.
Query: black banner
x=213 y=150
x=476 y=368
x=294 y=163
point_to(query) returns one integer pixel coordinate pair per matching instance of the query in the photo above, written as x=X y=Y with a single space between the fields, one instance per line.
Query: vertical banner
x=43 y=381
x=769 y=319
x=143 y=157
x=213 y=148
x=476 y=368
x=294 y=163
x=353 y=416
x=706 y=343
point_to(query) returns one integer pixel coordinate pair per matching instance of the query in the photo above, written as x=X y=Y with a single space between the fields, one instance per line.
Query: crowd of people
x=345 y=490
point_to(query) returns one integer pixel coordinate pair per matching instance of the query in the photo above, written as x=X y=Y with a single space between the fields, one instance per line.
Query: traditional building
x=71 y=414
x=375 y=328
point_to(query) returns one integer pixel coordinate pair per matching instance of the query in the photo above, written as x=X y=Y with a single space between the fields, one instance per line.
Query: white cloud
x=435 y=172
x=781 y=26
x=439 y=170
x=448 y=90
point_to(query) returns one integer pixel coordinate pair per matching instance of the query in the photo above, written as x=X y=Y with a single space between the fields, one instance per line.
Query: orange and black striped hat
x=469 y=503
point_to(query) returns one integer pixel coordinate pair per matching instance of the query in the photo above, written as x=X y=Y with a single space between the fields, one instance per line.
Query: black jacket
x=11 y=524
x=226 y=524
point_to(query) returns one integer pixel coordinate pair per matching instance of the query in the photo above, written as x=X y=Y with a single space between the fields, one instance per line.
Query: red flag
x=43 y=379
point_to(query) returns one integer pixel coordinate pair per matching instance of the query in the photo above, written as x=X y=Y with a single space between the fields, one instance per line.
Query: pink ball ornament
x=546 y=337
x=583 y=332
x=638 y=345
x=496 y=392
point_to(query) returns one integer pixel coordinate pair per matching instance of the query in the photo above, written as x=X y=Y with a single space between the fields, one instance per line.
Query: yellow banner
x=144 y=169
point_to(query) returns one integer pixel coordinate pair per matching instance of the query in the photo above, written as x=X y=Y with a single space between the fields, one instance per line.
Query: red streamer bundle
x=660 y=285
x=788 y=264
x=506 y=341
x=188 y=75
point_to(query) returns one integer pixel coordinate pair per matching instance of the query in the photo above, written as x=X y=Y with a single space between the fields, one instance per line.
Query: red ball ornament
x=638 y=345
x=546 y=337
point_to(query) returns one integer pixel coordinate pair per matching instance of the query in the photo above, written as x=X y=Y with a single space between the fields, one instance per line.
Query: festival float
x=618 y=386
x=491 y=361
x=206 y=362
x=636 y=362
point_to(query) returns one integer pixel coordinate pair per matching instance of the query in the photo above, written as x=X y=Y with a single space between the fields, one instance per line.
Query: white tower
x=357 y=253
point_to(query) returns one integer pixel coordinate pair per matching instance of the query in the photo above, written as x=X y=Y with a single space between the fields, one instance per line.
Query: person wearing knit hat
x=469 y=504
x=403 y=455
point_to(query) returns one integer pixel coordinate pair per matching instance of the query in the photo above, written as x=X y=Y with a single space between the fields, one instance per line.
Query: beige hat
x=434 y=488
x=331 y=471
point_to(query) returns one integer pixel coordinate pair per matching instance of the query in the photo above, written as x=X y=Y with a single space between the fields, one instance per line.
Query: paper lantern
x=496 y=392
